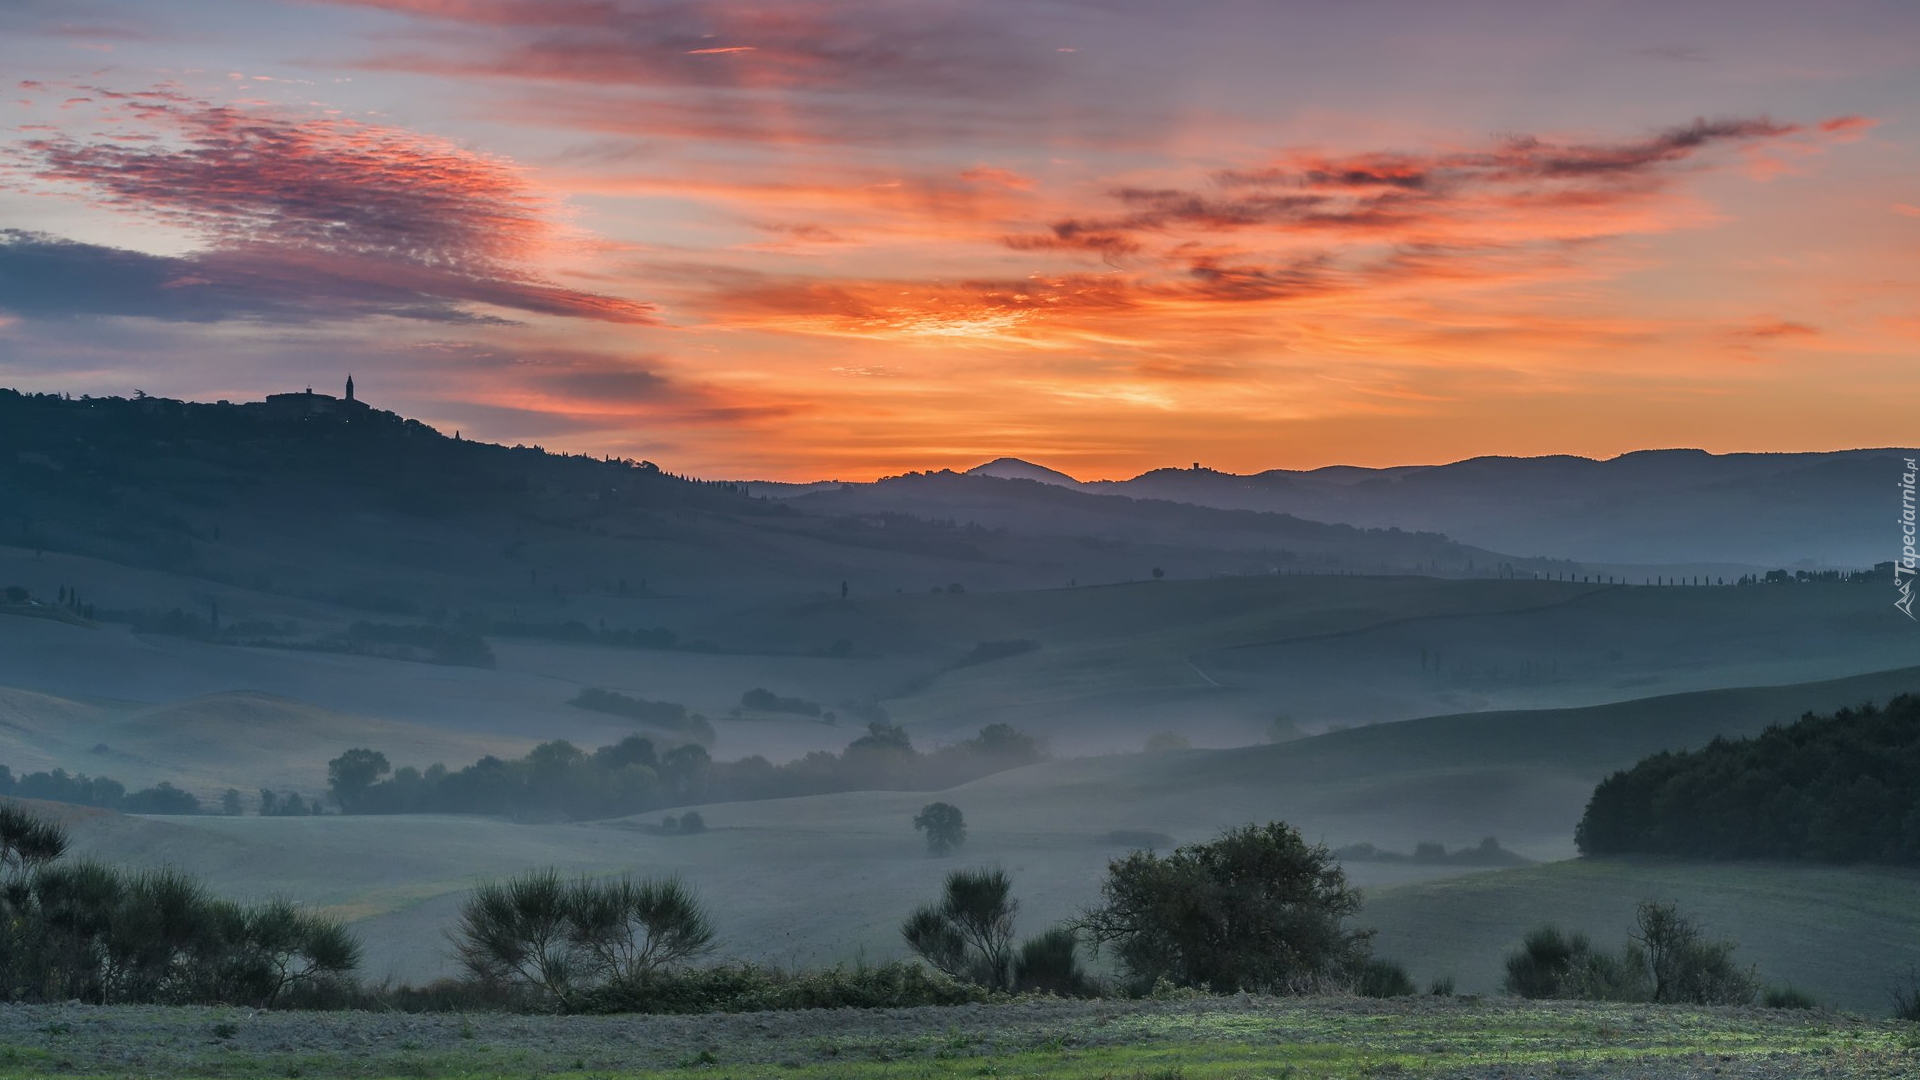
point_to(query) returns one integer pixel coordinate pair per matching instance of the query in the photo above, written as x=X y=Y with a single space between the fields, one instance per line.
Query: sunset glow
x=800 y=240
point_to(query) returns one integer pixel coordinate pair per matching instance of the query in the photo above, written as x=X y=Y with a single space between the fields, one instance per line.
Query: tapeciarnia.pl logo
x=1907 y=557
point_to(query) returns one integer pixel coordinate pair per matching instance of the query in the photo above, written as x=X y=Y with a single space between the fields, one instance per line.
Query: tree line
x=1837 y=788
x=559 y=780
x=81 y=789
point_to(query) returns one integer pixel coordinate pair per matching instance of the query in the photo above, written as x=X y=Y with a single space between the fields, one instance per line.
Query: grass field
x=1216 y=1039
x=826 y=879
x=1841 y=933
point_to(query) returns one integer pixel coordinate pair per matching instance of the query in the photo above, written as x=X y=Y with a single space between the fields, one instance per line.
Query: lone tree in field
x=558 y=938
x=946 y=829
x=1257 y=909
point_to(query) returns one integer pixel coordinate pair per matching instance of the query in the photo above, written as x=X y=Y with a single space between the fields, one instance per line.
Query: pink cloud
x=341 y=200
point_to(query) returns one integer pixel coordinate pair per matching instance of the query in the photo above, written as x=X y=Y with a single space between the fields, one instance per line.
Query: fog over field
x=878 y=540
x=1184 y=669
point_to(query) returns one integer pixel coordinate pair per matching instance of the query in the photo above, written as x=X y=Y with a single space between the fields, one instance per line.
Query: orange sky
x=807 y=240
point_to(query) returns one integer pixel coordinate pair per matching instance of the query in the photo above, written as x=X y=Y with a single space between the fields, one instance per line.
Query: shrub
x=87 y=931
x=162 y=798
x=1667 y=959
x=1551 y=964
x=27 y=840
x=1050 y=964
x=1787 y=997
x=1686 y=966
x=944 y=826
x=1541 y=964
x=554 y=938
x=1256 y=909
x=1441 y=987
x=1906 y=996
x=692 y=822
x=968 y=935
x=1378 y=978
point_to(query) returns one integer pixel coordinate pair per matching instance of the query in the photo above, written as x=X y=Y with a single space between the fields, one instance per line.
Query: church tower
x=349 y=387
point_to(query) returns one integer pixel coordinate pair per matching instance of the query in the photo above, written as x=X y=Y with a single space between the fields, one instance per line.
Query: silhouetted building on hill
x=307 y=403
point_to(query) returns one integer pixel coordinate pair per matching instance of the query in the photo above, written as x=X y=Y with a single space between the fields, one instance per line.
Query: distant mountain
x=1007 y=468
x=1264 y=541
x=1651 y=507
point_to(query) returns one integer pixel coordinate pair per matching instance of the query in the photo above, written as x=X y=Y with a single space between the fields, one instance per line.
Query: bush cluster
x=1668 y=959
x=83 y=790
x=556 y=939
x=670 y=715
x=968 y=936
x=78 y=930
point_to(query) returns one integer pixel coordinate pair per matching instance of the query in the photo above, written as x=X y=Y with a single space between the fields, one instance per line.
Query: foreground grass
x=1203 y=1040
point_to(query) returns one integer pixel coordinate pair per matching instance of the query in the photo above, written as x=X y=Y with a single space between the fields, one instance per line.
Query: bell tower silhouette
x=349 y=387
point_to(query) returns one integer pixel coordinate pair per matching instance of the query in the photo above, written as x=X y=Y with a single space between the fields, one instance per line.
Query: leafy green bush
x=1258 y=908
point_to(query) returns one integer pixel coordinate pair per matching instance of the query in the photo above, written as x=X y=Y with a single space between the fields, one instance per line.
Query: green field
x=1215 y=1039
x=1843 y=934
x=827 y=878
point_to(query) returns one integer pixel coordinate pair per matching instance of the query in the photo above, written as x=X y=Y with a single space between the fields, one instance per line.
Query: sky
x=805 y=240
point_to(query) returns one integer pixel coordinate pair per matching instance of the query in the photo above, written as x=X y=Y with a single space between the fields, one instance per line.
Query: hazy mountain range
x=1649 y=507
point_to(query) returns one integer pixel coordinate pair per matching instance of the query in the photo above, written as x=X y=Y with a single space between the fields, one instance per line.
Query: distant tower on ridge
x=349 y=387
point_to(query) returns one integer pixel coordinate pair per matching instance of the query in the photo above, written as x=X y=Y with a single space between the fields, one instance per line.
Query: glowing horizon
x=806 y=240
